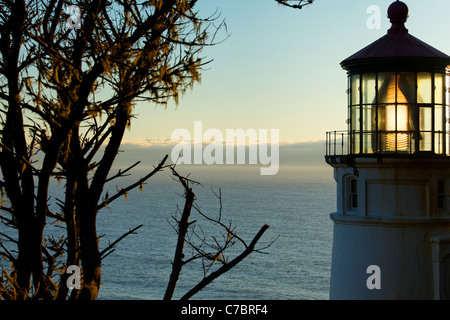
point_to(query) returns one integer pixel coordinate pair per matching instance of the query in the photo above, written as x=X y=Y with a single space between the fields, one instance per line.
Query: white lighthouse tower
x=391 y=237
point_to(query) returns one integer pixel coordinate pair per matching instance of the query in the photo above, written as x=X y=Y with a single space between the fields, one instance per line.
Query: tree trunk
x=87 y=201
x=72 y=234
x=89 y=254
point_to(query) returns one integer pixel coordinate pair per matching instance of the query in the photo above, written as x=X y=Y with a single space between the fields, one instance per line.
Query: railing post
x=328 y=144
x=334 y=142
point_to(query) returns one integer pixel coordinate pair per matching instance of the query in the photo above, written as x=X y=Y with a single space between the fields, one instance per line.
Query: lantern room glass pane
x=369 y=88
x=369 y=128
x=406 y=87
x=385 y=79
x=355 y=118
x=403 y=117
x=438 y=118
x=368 y=118
x=368 y=142
x=393 y=117
x=398 y=88
x=425 y=117
x=355 y=143
x=395 y=125
x=425 y=141
x=354 y=89
x=381 y=118
x=438 y=143
x=439 y=88
x=424 y=87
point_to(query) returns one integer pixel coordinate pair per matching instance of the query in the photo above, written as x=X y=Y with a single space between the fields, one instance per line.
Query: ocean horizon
x=295 y=203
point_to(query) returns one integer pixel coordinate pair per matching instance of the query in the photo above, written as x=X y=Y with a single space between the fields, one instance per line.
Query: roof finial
x=398 y=14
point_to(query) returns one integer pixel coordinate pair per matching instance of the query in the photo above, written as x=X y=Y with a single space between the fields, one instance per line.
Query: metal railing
x=337 y=143
x=343 y=143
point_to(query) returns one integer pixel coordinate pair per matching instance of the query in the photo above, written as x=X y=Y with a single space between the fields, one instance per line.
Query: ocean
x=295 y=203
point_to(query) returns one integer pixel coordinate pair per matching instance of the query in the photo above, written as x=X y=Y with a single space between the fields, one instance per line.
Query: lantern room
x=396 y=96
x=397 y=112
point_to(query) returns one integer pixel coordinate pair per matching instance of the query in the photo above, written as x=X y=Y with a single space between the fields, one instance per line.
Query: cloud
x=292 y=153
x=166 y=142
x=149 y=142
x=297 y=160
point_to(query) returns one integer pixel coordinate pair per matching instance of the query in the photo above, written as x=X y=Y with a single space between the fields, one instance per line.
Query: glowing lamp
x=396 y=119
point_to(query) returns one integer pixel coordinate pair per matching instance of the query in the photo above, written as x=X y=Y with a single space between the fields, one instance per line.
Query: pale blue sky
x=279 y=69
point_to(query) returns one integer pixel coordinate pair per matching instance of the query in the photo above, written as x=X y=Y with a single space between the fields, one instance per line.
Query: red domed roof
x=397 y=44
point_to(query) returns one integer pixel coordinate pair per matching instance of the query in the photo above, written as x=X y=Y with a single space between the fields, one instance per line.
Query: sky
x=280 y=68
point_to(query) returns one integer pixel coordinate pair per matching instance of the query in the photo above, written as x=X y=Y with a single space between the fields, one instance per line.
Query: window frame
x=351 y=194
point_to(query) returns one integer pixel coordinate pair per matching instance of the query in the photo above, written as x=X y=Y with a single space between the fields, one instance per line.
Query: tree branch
x=226 y=267
x=104 y=253
x=121 y=173
x=299 y=5
x=183 y=225
x=132 y=186
x=219 y=249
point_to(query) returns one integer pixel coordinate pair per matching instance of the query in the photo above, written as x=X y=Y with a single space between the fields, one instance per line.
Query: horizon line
x=167 y=142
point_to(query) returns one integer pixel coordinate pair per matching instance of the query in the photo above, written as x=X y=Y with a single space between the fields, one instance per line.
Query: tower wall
x=393 y=224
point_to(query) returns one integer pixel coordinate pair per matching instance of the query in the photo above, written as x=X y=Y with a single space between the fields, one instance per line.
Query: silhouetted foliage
x=210 y=250
x=296 y=4
x=68 y=84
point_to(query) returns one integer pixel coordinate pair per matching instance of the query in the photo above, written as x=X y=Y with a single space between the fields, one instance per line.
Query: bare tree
x=210 y=250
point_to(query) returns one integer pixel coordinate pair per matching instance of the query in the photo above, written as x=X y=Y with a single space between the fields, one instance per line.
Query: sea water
x=295 y=204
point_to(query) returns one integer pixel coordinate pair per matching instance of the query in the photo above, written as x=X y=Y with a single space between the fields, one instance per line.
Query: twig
x=132 y=186
x=300 y=3
x=108 y=248
x=226 y=267
x=208 y=259
x=121 y=173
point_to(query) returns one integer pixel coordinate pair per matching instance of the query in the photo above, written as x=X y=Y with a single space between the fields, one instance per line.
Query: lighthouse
x=391 y=228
